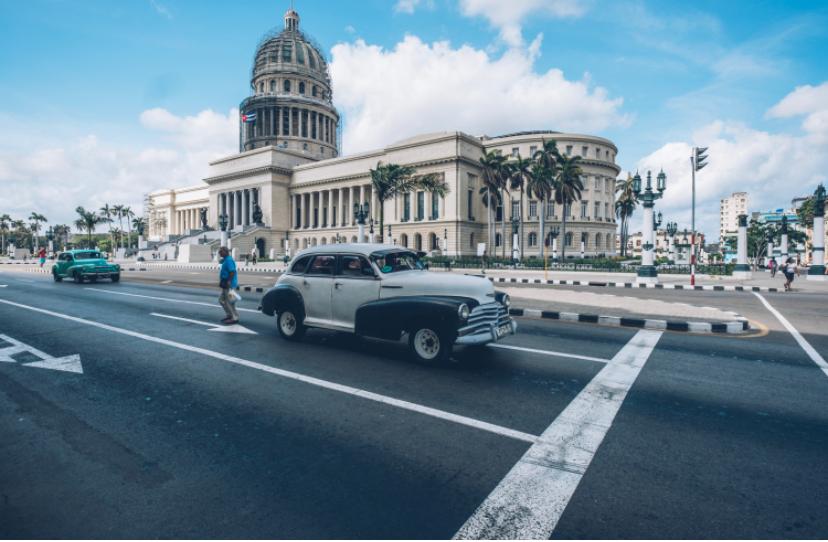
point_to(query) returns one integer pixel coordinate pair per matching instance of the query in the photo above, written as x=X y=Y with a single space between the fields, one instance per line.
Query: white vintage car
x=384 y=292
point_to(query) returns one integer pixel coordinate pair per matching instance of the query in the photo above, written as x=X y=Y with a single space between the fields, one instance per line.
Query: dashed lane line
x=812 y=353
x=547 y=352
x=529 y=501
x=167 y=299
x=318 y=382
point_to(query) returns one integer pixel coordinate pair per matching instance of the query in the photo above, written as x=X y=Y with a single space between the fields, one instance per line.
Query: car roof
x=366 y=249
x=83 y=250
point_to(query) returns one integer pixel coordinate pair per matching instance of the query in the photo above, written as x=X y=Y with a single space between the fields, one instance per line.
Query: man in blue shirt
x=228 y=282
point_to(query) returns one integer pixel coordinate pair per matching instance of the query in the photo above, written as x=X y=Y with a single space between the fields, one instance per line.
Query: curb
x=709 y=288
x=740 y=325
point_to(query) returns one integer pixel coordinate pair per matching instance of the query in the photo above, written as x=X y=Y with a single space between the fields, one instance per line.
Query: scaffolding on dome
x=294 y=35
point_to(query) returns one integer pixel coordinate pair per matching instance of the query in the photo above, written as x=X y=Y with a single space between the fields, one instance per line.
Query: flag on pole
x=248 y=117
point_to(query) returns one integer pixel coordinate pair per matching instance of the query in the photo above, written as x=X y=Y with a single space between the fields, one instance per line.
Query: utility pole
x=697 y=161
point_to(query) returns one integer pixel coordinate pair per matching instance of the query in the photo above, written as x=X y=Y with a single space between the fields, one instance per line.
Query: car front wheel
x=77 y=277
x=116 y=277
x=290 y=327
x=429 y=345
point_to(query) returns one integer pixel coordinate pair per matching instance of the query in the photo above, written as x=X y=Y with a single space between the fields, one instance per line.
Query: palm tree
x=492 y=166
x=390 y=180
x=625 y=204
x=138 y=224
x=520 y=171
x=106 y=214
x=5 y=224
x=87 y=222
x=129 y=215
x=61 y=232
x=36 y=219
x=118 y=211
x=540 y=184
x=567 y=189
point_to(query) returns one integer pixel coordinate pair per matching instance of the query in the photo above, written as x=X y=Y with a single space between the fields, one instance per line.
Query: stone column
x=817 y=269
x=231 y=210
x=742 y=269
x=330 y=209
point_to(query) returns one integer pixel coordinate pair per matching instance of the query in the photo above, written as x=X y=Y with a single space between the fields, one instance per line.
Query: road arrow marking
x=235 y=328
x=3 y=285
x=71 y=364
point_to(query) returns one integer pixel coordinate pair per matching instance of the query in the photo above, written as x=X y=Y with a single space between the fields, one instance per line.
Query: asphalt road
x=176 y=430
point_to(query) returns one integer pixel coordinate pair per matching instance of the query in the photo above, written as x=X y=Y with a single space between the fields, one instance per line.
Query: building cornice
x=247 y=173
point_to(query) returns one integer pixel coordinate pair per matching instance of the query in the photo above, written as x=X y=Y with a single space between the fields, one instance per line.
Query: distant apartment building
x=729 y=211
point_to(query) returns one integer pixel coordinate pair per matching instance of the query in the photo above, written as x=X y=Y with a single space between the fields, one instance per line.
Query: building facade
x=729 y=210
x=288 y=188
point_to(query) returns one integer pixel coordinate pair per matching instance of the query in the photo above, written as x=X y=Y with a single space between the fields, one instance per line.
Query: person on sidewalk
x=789 y=270
x=772 y=267
x=42 y=255
x=228 y=282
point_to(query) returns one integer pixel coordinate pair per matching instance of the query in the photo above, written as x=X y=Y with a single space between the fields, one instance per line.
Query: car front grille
x=484 y=316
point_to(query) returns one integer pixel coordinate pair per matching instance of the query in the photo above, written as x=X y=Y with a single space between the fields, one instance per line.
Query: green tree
x=625 y=203
x=805 y=213
x=493 y=168
x=519 y=171
x=567 y=189
x=128 y=215
x=540 y=184
x=390 y=180
x=106 y=214
x=87 y=221
x=5 y=229
x=36 y=219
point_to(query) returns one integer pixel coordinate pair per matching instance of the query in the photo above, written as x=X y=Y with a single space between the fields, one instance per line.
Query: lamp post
x=50 y=235
x=360 y=214
x=222 y=219
x=672 y=228
x=554 y=231
x=657 y=219
x=515 y=248
x=445 y=241
x=583 y=243
x=647 y=272
x=390 y=239
x=371 y=230
x=817 y=269
x=769 y=256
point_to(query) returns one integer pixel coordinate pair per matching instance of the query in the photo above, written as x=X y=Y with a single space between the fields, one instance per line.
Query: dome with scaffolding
x=291 y=105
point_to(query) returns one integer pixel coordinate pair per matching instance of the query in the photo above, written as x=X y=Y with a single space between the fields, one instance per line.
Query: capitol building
x=288 y=186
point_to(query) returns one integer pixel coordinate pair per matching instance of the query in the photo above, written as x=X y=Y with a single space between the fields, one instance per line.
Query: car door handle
x=337 y=284
x=305 y=282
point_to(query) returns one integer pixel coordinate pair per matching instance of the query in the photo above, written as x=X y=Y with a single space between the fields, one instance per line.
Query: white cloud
x=59 y=175
x=160 y=9
x=772 y=167
x=409 y=6
x=508 y=16
x=388 y=95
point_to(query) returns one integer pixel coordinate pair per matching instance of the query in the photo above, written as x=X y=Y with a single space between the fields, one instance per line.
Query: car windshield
x=394 y=262
x=87 y=255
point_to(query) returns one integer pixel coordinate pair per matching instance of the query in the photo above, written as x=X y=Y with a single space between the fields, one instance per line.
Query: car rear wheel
x=429 y=345
x=290 y=328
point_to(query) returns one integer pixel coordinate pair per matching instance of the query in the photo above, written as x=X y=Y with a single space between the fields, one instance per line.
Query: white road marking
x=235 y=328
x=530 y=500
x=166 y=282
x=812 y=353
x=71 y=364
x=547 y=352
x=3 y=285
x=325 y=384
x=167 y=299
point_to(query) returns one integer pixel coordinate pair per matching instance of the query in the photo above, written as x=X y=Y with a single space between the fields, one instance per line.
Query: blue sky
x=78 y=78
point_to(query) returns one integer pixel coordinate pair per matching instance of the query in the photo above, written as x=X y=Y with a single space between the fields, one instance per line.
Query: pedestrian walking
x=789 y=270
x=42 y=255
x=772 y=267
x=228 y=282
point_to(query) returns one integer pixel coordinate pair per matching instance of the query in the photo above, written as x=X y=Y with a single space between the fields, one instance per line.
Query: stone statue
x=257 y=214
x=203 y=212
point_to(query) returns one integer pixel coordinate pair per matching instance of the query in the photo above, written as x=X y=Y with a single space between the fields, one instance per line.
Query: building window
x=470 y=204
x=313 y=124
x=533 y=239
x=498 y=240
x=314 y=90
x=311 y=59
x=569 y=238
x=435 y=206
x=584 y=151
x=285 y=121
x=432 y=241
x=567 y=209
x=597 y=153
x=597 y=184
x=261 y=88
x=471 y=240
x=301 y=88
x=406 y=207
x=287 y=52
x=608 y=185
x=499 y=213
x=569 y=150
x=532 y=150
x=515 y=208
x=533 y=209
x=272 y=85
x=607 y=211
x=597 y=210
x=515 y=152
x=420 y=205
x=300 y=54
x=550 y=209
x=286 y=85
x=584 y=209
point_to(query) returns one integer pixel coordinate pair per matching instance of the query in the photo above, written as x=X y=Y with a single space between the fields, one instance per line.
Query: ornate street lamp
x=390 y=239
x=552 y=238
x=647 y=272
x=515 y=249
x=360 y=214
x=672 y=228
x=371 y=229
x=223 y=221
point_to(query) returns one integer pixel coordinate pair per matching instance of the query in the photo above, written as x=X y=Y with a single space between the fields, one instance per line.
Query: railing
x=598 y=265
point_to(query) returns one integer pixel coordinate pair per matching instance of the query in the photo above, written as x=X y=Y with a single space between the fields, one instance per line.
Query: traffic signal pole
x=693 y=221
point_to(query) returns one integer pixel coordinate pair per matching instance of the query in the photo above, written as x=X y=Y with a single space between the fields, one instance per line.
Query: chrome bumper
x=489 y=335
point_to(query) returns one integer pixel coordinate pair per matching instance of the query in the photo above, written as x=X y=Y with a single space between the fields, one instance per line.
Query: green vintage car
x=80 y=265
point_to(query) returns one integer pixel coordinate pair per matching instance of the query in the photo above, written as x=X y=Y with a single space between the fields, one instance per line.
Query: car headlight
x=507 y=301
x=463 y=311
